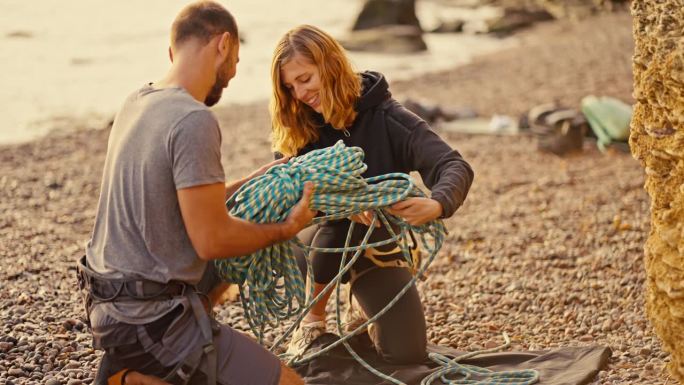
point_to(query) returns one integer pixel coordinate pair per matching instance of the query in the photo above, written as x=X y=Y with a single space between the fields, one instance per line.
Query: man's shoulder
x=171 y=98
x=167 y=106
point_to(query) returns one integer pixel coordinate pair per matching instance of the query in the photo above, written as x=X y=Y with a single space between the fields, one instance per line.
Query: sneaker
x=304 y=335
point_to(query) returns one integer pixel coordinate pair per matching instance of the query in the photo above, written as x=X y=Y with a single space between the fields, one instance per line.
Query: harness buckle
x=208 y=348
x=185 y=372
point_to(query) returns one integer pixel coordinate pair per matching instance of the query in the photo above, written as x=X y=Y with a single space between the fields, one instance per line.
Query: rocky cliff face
x=657 y=140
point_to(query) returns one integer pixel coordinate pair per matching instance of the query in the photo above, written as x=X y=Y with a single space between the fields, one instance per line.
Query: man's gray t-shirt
x=162 y=140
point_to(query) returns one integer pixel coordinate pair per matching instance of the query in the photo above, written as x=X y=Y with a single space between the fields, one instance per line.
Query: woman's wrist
x=439 y=209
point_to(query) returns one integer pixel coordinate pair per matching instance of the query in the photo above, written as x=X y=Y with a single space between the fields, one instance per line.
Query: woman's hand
x=417 y=211
x=365 y=218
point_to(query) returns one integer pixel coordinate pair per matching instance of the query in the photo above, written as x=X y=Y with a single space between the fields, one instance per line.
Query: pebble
x=586 y=338
x=491 y=344
x=607 y=326
x=5 y=346
x=16 y=372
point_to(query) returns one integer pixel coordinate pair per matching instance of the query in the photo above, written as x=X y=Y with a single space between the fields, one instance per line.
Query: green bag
x=608 y=118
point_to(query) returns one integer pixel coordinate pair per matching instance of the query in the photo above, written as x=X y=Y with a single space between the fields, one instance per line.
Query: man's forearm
x=241 y=237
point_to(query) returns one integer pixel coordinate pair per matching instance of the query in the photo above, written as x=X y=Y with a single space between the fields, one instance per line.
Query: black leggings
x=400 y=334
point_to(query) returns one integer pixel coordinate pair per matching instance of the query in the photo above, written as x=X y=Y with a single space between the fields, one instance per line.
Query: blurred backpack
x=558 y=130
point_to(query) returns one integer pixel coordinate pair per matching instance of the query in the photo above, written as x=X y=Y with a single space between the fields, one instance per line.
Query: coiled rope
x=271 y=286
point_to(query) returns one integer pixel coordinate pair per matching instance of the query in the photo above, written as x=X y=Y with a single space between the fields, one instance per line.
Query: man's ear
x=224 y=44
x=171 y=54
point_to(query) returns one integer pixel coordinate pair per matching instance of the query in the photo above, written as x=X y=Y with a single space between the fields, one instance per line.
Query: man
x=161 y=217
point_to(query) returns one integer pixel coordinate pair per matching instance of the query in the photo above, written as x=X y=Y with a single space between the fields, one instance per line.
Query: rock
x=387 y=39
x=574 y=9
x=509 y=20
x=449 y=26
x=469 y=333
x=16 y=372
x=19 y=34
x=377 y=13
x=645 y=351
x=5 y=347
x=607 y=326
x=513 y=19
x=69 y=324
x=658 y=101
x=587 y=338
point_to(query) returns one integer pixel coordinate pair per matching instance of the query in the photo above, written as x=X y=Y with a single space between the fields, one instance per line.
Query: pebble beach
x=547 y=249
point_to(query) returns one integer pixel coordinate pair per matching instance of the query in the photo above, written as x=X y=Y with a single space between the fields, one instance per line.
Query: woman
x=318 y=100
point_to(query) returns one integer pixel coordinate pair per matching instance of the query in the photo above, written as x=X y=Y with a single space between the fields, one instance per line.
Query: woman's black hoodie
x=396 y=140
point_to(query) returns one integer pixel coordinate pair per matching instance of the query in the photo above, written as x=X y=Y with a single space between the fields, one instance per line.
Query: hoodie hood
x=374 y=90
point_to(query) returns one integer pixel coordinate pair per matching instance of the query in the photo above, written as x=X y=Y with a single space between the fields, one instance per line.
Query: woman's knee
x=407 y=345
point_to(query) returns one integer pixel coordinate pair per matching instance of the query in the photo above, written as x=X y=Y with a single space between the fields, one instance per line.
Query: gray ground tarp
x=563 y=366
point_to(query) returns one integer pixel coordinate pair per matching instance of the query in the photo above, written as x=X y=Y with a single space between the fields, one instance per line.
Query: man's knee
x=289 y=376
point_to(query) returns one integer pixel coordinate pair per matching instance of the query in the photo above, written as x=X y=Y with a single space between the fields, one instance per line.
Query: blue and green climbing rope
x=271 y=287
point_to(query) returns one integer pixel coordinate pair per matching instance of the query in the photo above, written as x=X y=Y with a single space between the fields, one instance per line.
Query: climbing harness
x=96 y=288
x=269 y=280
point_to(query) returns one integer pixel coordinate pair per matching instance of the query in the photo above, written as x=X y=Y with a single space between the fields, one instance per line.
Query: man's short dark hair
x=202 y=20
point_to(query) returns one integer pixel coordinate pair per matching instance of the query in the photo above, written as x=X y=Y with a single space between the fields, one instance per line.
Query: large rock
x=376 y=13
x=578 y=9
x=562 y=9
x=449 y=26
x=509 y=20
x=657 y=140
x=386 y=39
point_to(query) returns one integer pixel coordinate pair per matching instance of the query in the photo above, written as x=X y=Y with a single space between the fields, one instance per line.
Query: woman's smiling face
x=302 y=78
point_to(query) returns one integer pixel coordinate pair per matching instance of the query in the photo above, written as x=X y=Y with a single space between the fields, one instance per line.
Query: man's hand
x=300 y=215
x=365 y=218
x=262 y=170
x=417 y=211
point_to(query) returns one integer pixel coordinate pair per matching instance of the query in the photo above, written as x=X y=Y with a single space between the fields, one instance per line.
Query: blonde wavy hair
x=294 y=123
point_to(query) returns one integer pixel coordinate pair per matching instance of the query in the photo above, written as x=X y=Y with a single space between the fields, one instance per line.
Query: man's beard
x=217 y=89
